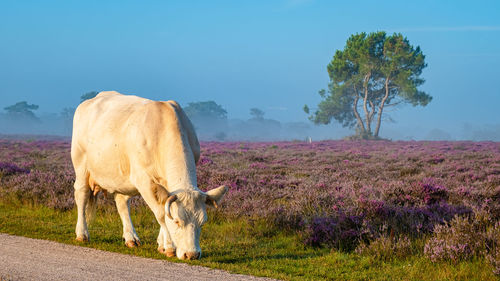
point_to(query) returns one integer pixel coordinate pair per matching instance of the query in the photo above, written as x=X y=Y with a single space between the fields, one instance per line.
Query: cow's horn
x=170 y=199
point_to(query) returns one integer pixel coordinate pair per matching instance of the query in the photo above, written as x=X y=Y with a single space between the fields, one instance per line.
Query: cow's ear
x=215 y=195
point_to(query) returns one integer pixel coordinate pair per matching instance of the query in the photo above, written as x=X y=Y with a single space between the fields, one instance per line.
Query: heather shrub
x=406 y=220
x=493 y=247
x=342 y=232
x=467 y=237
x=494 y=260
x=460 y=239
x=453 y=242
x=373 y=220
x=424 y=192
x=433 y=193
x=7 y=169
x=49 y=188
x=287 y=220
x=387 y=247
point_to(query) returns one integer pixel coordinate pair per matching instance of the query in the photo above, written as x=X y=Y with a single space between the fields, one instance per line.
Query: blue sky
x=243 y=54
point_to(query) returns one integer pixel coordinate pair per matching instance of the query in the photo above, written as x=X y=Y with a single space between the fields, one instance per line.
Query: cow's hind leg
x=123 y=206
x=82 y=195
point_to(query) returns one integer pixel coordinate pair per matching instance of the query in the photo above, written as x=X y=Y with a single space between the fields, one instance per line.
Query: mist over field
x=219 y=130
x=251 y=129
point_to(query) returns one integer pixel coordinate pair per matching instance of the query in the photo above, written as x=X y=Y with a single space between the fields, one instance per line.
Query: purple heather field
x=333 y=193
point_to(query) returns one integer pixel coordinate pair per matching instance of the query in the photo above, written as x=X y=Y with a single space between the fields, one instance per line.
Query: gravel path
x=33 y=259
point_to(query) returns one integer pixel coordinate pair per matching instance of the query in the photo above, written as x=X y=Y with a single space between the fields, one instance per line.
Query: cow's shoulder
x=108 y=94
x=188 y=128
x=95 y=102
x=174 y=104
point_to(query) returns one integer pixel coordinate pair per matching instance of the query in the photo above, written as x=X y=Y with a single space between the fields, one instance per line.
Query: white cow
x=126 y=146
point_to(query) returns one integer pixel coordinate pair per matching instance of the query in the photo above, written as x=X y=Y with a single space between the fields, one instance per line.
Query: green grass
x=238 y=246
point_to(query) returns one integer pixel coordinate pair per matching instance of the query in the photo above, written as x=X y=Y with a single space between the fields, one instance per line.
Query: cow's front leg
x=123 y=205
x=147 y=190
x=165 y=244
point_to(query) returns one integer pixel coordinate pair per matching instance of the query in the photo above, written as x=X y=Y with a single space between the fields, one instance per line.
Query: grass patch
x=239 y=246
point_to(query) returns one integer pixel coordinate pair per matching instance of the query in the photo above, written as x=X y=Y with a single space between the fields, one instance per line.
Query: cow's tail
x=91 y=208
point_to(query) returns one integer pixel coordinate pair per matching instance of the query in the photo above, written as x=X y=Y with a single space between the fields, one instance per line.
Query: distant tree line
x=21 y=110
x=209 y=118
x=211 y=123
x=21 y=118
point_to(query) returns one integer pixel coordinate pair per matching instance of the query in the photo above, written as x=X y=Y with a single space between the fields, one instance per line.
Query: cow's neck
x=180 y=167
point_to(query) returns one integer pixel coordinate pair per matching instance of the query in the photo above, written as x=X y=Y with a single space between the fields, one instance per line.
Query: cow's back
x=115 y=135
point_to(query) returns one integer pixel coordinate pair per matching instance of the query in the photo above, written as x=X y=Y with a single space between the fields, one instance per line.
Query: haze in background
x=270 y=55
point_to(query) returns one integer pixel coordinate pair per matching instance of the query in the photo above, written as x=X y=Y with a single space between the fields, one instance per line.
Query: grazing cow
x=127 y=145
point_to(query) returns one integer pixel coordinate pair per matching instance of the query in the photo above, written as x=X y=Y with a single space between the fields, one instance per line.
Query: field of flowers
x=382 y=198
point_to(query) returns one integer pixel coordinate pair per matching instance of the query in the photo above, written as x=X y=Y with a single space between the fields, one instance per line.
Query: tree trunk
x=361 y=126
x=381 y=107
x=372 y=111
x=365 y=99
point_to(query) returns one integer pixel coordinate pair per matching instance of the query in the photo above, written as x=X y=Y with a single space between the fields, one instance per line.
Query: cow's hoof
x=133 y=243
x=170 y=252
x=82 y=239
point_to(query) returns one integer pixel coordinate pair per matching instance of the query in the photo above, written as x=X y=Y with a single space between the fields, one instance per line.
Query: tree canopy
x=372 y=72
x=208 y=118
x=205 y=109
x=22 y=109
x=257 y=113
x=88 y=95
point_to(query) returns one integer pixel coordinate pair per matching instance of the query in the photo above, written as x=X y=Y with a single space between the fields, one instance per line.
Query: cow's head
x=185 y=214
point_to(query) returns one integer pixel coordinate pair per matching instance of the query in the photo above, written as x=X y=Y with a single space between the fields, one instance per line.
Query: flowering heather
x=492 y=238
x=455 y=242
x=11 y=169
x=335 y=193
x=494 y=259
x=466 y=237
x=341 y=232
x=37 y=172
x=405 y=187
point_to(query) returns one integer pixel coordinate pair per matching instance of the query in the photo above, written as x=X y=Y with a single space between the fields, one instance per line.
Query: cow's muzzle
x=191 y=256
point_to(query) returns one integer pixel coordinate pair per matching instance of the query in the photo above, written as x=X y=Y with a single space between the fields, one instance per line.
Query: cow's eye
x=177 y=222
